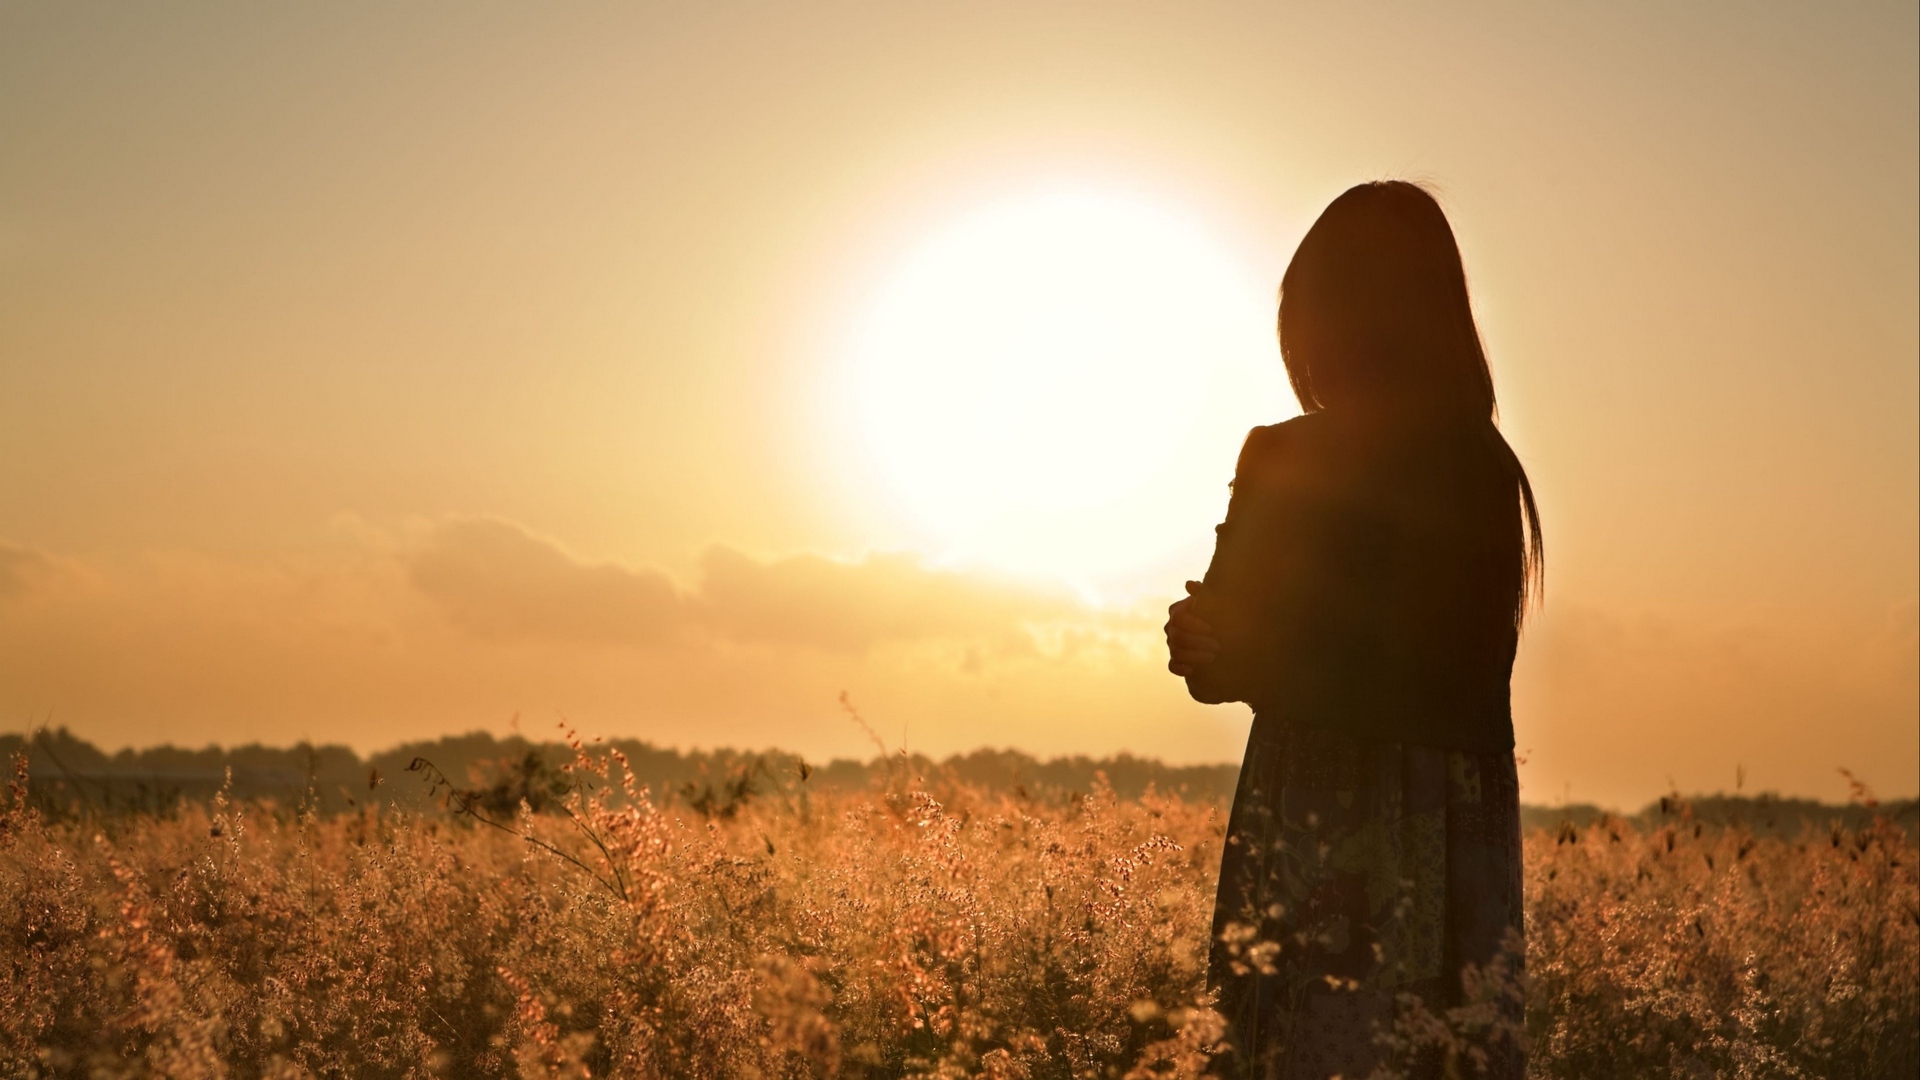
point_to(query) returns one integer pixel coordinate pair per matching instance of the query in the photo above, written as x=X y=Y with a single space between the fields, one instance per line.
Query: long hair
x=1375 y=318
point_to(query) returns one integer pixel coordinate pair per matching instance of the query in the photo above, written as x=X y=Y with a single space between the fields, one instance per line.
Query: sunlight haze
x=372 y=372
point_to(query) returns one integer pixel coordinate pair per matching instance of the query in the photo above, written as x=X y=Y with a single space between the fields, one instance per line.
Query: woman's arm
x=1194 y=648
x=1224 y=634
x=1190 y=641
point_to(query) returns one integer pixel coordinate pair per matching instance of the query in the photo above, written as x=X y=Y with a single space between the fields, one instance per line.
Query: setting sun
x=1055 y=385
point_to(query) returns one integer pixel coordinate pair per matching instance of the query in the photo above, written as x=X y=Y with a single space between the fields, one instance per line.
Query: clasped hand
x=1190 y=641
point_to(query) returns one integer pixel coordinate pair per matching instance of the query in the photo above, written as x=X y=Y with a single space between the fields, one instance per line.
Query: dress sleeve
x=1254 y=549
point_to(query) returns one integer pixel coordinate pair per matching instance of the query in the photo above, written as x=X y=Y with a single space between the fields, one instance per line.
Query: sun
x=1056 y=384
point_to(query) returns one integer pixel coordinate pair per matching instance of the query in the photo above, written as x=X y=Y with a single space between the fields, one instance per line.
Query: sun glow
x=1057 y=385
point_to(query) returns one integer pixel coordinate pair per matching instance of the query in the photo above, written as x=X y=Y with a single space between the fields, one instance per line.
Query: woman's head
x=1374 y=311
x=1375 y=322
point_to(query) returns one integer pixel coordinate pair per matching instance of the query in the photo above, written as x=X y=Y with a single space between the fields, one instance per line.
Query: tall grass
x=922 y=928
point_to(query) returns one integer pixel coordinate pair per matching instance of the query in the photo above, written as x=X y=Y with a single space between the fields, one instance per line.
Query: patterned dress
x=1358 y=879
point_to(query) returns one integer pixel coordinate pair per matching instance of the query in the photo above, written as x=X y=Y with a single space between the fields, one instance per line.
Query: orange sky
x=370 y=373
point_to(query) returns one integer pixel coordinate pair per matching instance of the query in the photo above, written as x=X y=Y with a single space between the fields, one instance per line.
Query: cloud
x=24 y=569
x=497 y=579
x=813 y=601
x=465 y=622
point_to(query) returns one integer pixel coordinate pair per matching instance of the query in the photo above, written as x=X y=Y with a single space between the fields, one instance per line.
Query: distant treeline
x=65 y=769
x=68 y=775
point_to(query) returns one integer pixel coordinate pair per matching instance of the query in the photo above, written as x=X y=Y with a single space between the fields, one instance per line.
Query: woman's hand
x=1190 y=641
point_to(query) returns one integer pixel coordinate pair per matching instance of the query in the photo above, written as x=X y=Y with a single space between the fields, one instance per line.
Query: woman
x=1365 y=597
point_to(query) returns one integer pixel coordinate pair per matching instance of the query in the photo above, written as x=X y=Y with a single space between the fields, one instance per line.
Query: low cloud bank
x=461 y=623
x=24 y=570
x=496 y=578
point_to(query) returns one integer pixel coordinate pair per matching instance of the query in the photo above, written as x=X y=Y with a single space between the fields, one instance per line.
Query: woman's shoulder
x=1275 y=452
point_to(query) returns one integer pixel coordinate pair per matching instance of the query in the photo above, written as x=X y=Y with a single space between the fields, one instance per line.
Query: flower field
x=921 y=927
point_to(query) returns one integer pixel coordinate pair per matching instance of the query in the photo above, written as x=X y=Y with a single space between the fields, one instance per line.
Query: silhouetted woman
x=1365 y=597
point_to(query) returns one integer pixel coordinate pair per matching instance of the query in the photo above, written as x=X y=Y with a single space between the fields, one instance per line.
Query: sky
x=370 y=372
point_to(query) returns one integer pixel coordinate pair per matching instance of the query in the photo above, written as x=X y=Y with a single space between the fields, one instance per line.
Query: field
x=561 y=922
